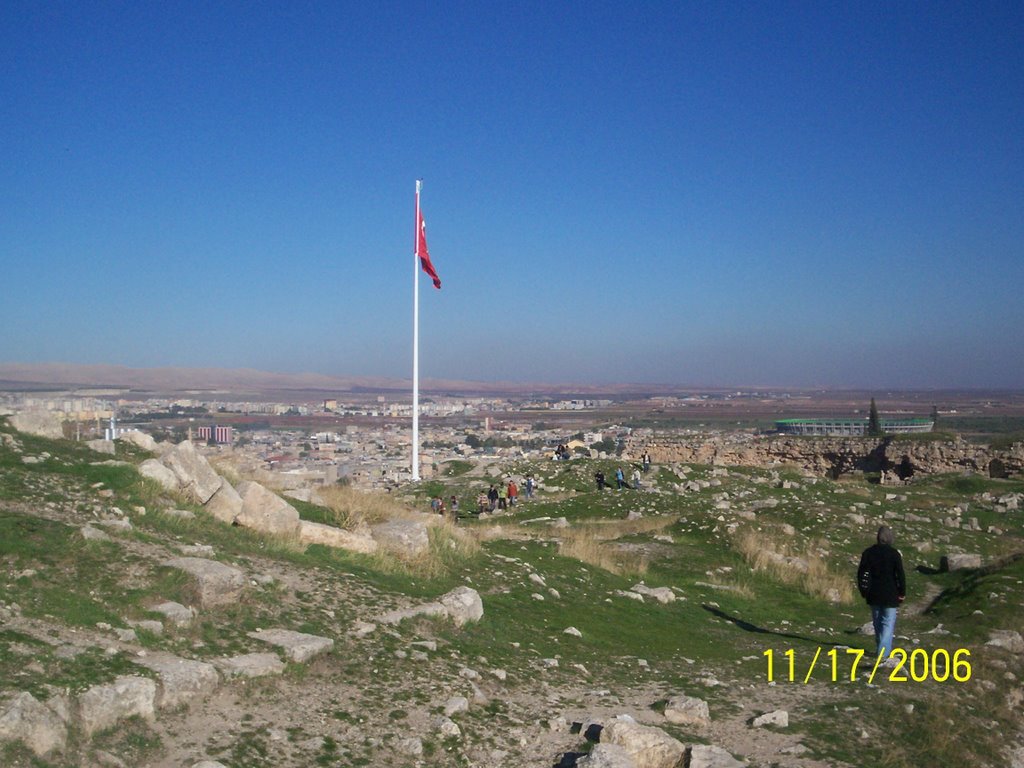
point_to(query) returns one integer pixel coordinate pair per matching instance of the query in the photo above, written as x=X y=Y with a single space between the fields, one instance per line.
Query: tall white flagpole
x=416 y=343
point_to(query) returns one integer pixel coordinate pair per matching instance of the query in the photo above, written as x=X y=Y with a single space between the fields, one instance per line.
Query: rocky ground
x=138 y=629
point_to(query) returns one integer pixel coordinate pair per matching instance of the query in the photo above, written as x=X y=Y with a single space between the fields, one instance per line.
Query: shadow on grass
x=746 y=626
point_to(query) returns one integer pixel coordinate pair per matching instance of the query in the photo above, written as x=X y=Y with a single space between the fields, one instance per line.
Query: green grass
x=726 y=631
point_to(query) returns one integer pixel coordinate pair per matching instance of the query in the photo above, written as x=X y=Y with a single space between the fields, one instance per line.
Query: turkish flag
x=421 y=249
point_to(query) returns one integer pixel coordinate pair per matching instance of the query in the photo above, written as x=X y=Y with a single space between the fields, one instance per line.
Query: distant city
x=364 y=438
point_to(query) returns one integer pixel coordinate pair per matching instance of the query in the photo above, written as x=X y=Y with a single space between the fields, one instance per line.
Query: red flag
x=421 y=249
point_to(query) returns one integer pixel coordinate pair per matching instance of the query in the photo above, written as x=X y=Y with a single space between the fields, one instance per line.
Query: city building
x=850 y=427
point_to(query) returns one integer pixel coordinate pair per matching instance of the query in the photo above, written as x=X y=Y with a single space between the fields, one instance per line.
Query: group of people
x=621 y=476
x=504 y=496
x=437 y=506
x=499 y=496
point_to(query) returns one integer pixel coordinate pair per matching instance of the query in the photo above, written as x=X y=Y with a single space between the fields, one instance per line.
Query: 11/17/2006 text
x=917 y=666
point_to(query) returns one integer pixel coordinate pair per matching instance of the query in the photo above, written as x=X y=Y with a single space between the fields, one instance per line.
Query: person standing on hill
x=513 y=492
x=883 y=585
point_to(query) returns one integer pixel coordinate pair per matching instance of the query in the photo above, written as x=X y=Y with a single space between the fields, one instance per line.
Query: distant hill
x=69 y=375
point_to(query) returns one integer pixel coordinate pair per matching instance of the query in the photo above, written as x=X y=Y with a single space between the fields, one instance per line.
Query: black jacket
x=880 y=577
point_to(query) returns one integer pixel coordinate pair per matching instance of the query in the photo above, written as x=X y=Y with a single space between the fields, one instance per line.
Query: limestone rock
x=39 y=423
x=266 y=512
x=649 y=747
x=103 y=706
x=209 y=764
x=153 y=627
x=101 y=446
x=181 y=680
x=607 y=756
x=960 y=562
x=331 y=536
x=93 y=534
x=217 y=583
x=225 y=504
x=411 y=746
x=401 y=614
x=176 y=613
x=1009 y=639
x=154 y=470
x=779 y=717
x=687 y=710
x=463 y=605
x=297 y=646
x=456 y=704
x=250 y=665
x=197 y=480
x=404 y=537
x=140 y=439
x=661 y=594
x=24 y=718
x=117 y=524
x=709 y=756
x=448 y=728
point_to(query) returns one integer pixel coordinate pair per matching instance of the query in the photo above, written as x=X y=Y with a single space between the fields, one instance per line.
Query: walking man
x=883 y=585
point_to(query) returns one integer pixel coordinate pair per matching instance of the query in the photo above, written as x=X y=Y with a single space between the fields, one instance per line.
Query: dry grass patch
x=584 y=546
x=353 y=508
x=588 y=543
x=448 y=550
x=802 y=567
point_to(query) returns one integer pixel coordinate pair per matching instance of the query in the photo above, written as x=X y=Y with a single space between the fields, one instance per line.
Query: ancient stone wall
x=831 y=456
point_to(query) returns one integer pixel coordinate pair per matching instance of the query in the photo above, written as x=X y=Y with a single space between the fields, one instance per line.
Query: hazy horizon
x=785 y=195
x=176 y=378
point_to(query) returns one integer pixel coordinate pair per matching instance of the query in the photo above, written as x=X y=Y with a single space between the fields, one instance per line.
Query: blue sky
x=789 y=194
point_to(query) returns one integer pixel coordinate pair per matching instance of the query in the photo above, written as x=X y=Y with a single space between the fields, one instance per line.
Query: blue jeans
x=884 y=621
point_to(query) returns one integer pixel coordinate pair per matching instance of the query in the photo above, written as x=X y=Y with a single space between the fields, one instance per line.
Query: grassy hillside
x=757 y=561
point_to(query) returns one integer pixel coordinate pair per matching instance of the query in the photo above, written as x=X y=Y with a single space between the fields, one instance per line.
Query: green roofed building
x=850 y=427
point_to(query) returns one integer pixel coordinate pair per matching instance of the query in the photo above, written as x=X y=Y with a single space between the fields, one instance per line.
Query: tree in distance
x=874 y=423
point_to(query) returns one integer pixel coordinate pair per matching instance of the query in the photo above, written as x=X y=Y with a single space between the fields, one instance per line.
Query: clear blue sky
x=725 y=193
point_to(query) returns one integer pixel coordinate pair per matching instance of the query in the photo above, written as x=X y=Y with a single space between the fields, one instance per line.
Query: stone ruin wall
x=897 y=460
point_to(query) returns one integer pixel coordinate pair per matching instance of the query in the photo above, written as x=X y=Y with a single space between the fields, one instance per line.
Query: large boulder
x=330 y=536
x=197 y=480
x=181 y=680
x=139 y=439
x=39 y=423
x=710 y=756
x=103 y=706
x=266 y=512
x=687 y=710
x=606 y=756
x=26 y=719
x=959 y=562
x=225 y=504
x=216 y=583
x=102 y=446
x=649 y=747
x=404 y=537
x=154 y=470
x=463 y=605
